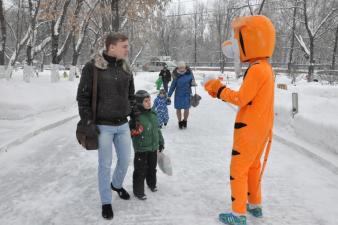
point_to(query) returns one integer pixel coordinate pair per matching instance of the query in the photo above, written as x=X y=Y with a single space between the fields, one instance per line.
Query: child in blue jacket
x=160 y=107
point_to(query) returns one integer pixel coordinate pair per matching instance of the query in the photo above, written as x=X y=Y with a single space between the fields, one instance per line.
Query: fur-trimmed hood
x=176 y=74
x=101 y=63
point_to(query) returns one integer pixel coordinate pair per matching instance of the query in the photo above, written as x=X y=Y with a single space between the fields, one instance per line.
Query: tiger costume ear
x=255 y=35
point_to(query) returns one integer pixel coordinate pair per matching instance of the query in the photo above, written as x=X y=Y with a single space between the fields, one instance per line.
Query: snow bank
x=20 y=100
x=316 y=122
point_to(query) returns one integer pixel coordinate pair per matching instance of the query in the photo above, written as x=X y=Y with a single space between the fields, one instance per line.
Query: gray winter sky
x=187 y=5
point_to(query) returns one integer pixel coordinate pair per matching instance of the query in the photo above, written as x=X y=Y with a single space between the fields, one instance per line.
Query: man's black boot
x=107 y=212
x=121 y=192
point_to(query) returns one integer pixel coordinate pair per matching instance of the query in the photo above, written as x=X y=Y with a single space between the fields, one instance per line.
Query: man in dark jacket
x=115 y=102
x=166 y=77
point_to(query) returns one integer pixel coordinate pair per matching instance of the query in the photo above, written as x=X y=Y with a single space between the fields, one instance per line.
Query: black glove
x=135 y=112
x=160 y=148
x=168 y=101
x=132 y=124
x=92 y=130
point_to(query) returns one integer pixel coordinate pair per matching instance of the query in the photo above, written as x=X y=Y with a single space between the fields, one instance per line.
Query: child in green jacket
x=147 y=139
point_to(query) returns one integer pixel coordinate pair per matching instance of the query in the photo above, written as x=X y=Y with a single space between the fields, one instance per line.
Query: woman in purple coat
x=183 y=80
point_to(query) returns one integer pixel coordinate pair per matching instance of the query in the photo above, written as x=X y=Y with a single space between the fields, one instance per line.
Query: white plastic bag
x=164 y=163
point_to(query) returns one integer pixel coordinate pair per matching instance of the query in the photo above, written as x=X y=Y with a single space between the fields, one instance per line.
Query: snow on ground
x=27 y=107
x=316 y=124
x=50 y=179
x=317 y=102
x=21 y=100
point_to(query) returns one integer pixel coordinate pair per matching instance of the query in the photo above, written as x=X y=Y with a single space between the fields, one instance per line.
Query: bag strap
x=94 y=94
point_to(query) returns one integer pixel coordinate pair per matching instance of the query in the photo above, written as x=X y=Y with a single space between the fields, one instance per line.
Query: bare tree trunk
x=131 y=41
x=96 y=41
x=115 y=20
x=104 y=22
x=79 y=36
x=29 y=54
x=38 y=48
x=165 y=49
x=251 y=12
x=76 y=51
x=132 y=65
x=19 y=42
x=168 y=42
x=3 y=34
x=76 y=54
x=333 y=65
x=292 y=42
x=56 y=28
x=31 y=41
x=312 y=60
x=3 y=41
x=57 y=54
x=75 y=58
x=219 y=30
x=227 y=29
x=311 y=39
x=28 y=68
x=195 y=41
x=261 y=7
x=76 y=32
x=43 y=59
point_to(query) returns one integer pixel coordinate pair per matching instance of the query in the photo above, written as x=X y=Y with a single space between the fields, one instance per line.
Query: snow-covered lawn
x=50 y=179
x=28 y=107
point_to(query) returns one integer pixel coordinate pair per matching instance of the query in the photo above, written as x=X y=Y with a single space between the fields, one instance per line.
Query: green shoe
x=231 y=219
x=256 y=212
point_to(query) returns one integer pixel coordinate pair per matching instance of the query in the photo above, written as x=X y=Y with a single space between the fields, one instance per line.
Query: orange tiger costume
x=255 y=36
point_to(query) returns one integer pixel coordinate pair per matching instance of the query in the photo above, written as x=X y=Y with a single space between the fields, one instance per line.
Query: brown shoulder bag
x=89 y=143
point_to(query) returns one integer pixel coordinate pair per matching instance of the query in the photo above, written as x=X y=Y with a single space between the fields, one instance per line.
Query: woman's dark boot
x=180 y=125
x=184 y=123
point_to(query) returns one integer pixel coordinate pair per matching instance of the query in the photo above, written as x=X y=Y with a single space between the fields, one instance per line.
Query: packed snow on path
x=50 y=179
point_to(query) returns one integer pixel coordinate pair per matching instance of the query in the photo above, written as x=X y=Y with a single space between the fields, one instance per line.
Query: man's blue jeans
x=120 y=137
